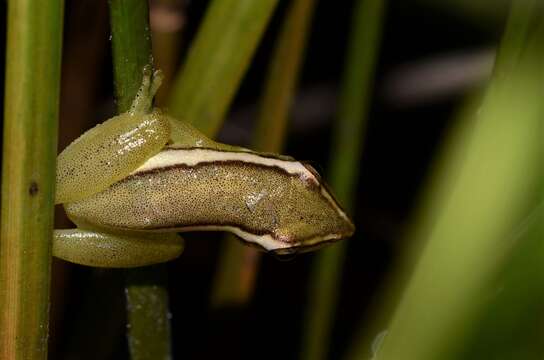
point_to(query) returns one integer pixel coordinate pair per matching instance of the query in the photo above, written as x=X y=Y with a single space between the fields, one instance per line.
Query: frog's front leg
x=101 y=249
x=112 y=150
x=143 y=101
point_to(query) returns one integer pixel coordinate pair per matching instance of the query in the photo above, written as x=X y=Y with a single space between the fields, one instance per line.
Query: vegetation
x=462 y=273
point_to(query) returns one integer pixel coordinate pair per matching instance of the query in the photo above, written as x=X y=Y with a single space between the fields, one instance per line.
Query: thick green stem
x=32 y=89
x=131 y=47
x=217 y=61
x=348 y=138
x=148 y=314
x=147 y=298
x=238 y=265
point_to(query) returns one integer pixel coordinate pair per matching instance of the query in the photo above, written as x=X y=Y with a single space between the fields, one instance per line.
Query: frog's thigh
x=185 y=135
x=108 y=153
x=99 y=249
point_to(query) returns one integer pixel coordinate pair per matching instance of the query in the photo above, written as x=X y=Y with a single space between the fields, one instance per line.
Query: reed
x=148 y=312
x=31 y=108
x=348 y=138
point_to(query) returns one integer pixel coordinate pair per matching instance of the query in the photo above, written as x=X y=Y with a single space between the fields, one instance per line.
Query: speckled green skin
x=99 y=158
x=128 y=215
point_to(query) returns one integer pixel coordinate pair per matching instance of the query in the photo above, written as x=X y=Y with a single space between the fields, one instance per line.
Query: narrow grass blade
x=345 y=157
x=282 y=77
x=31 y=109
x=146 y=294
x=217 y=61
x=235 y=279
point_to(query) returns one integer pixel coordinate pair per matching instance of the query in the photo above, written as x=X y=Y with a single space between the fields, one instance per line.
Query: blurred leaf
x=345 y=155
x=217 y=61
x=484 y=191
x=510 y=326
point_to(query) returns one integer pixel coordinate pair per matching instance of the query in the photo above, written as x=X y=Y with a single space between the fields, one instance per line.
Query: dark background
x=404 y=134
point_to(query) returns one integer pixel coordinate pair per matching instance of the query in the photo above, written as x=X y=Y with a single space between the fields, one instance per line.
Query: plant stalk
x=33 y=64
x=348 y=135
x=148 y=313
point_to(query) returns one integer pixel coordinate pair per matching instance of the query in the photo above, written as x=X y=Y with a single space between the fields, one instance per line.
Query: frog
x=133 y=183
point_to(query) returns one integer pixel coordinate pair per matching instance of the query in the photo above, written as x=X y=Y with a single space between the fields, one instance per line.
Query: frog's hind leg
x=101 y=249
x=185 y=135
x=110 y=151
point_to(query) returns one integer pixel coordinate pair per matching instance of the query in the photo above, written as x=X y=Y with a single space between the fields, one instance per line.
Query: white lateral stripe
x=192 y=157
x=265 y=241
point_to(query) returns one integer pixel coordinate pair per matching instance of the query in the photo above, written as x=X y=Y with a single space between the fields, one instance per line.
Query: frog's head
x=310 y=217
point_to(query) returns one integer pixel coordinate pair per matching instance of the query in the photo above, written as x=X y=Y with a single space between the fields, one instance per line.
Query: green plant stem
x=217 y=61
x=348 y=137
x=131 y=47
x=237 y=269
x=34 y=43
x=148 y=313
x=147 y=298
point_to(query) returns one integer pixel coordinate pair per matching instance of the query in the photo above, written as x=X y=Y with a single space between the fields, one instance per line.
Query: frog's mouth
x=299 y=249
x=282 y=249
